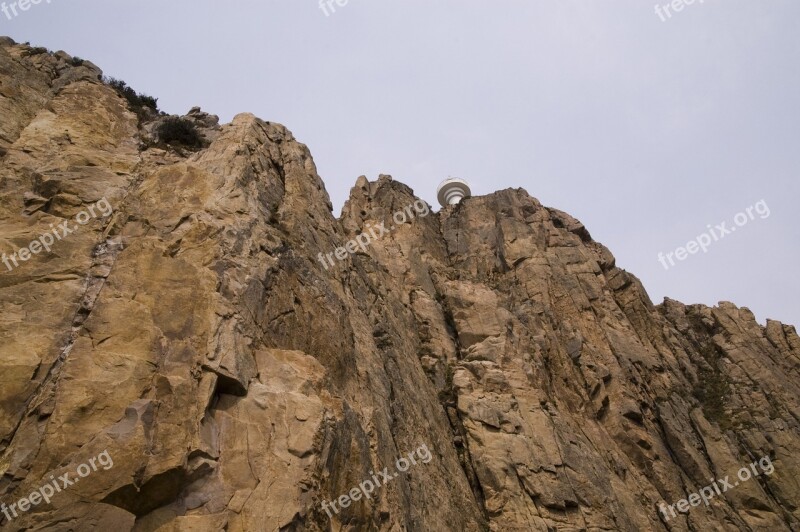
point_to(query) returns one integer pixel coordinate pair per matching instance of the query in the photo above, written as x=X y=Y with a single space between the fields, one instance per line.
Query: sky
x=647 y=127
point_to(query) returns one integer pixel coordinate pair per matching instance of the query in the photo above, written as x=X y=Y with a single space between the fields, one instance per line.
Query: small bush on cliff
x=713 y=388
x=178 y=131
x=140 y=103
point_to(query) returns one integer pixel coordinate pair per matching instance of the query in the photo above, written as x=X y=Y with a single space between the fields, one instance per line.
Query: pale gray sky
x=646 y=130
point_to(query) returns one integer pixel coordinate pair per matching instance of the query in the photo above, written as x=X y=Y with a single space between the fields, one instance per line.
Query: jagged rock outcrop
x=239 y=382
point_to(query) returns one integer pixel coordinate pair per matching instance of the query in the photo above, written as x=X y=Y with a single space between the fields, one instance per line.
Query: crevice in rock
x=448 y=400
x=50 y=375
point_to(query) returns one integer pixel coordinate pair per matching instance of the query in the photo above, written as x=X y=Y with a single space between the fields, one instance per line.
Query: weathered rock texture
x=237 y=383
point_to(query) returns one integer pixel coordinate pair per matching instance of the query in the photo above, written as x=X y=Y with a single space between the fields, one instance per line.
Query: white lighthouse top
x=451 y=191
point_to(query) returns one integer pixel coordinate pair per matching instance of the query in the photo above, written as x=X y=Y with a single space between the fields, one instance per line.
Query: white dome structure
x=451 y=191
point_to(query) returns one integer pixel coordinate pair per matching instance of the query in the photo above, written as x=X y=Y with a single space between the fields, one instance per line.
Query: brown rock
x=239 y=383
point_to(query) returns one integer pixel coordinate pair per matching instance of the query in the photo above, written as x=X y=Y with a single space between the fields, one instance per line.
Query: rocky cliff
x=192 y=324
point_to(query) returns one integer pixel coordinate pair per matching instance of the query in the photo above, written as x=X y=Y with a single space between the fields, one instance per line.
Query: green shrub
x=139 y=103
x=149 y=101
x=178 y=131
x=77 y=61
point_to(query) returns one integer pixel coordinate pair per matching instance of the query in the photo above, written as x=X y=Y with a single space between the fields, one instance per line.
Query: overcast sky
x=647 y=130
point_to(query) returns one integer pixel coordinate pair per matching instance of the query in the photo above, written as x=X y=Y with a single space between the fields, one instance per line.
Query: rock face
x=241 y=381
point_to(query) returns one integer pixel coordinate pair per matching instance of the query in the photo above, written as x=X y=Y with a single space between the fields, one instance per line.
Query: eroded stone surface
x=238 y=383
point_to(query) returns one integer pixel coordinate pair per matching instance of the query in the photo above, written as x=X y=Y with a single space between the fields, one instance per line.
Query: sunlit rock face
x=196 y=331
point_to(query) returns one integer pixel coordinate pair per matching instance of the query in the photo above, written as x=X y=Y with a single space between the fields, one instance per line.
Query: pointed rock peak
x=362 y=182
